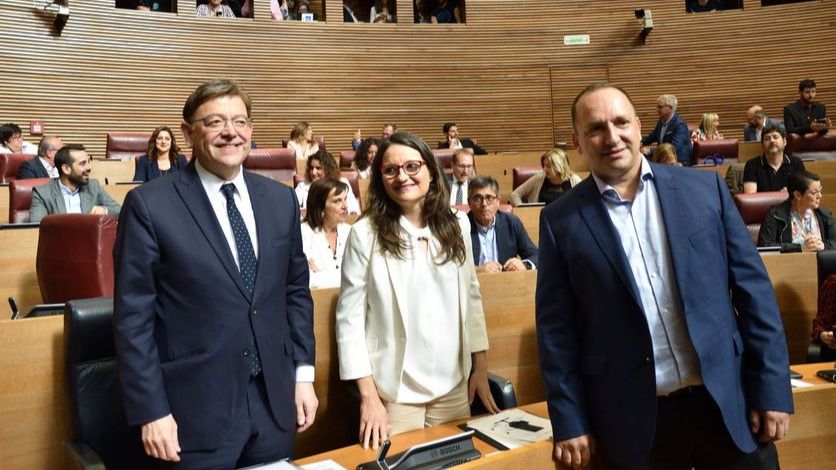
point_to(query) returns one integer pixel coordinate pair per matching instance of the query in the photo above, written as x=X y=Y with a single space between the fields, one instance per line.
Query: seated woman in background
x=824 y=325
x=549 y=184
x=302 y=141
x=322 y=165
x=162 y=157
x=215 y=8
x=665 y=154
x=363 y=157
x=300 y=7
x=799 y=223
x=324 y=231
x=448 y=11
x=709 y=128
x=410 y=322
x=11 y=140
x=381 y=13
x=424 y=11
x=280 y=10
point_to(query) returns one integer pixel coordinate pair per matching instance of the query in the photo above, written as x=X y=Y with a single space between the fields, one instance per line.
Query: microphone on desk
x=381 y=456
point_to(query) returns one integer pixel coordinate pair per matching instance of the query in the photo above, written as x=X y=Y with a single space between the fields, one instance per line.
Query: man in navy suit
x=660 y=337
x=671 y=129
x=213 y=319
x=43 y=165
x=500 y=242
x=756 y=122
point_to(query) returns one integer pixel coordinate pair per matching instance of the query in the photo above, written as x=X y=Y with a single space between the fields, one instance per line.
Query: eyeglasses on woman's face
x=411 y=168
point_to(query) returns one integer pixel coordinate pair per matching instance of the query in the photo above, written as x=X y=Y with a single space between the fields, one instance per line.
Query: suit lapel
x=58 y=197
x=474 y=239
x=396 y=278
x=676 y=223
x=603 y=232
x=191 y=190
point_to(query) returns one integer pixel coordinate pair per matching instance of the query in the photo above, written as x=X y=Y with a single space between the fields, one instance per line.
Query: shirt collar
x=765 y=161
x=213 y=182
x=68 y=191
x=609 y=192
x=485 y=230
x=46 y=164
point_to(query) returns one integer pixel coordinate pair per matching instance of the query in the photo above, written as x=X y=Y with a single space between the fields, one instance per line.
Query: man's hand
x=575 y=452
x=358 y=135
x=479 y=383
x=828 y=339
x=98 y=210
x=306 y=404
x=514 y=264
x=489 y=267
x=159 y=437
x=769 y=426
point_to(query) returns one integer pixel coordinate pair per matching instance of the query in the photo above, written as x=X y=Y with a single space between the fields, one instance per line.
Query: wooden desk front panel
x=113 y=170
x=17 y=262
x=795 y=280
x=530 y=217
x=4 y=204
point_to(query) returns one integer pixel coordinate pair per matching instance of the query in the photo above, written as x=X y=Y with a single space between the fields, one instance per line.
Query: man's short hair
x=760 y=112
x=46 y=144
x=481 y=182
x=595 y=87
x=805 y=84
x=63 y=157
x=211 y=90
x=773 y=128
x=669 y=100
x=455 y=158
x=446 y=127
x=393 y=126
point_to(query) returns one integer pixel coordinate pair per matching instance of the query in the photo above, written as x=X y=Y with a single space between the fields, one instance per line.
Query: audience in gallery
x=348 y=11
x=280 y=9
x=408 y=268
x=163 y=155
x=437 y=11
x=769 y=172
x=302 y=141
x=300 y=8
x=388 y=130
x=364 y=156
x=799 y=223
x=452 y=140
x=700 y=6
x=664 y=154
x=215 y=8
x=73 y=192
x=670 y=128
x=43 y=165
x=463 y=168
x=806 y=116
x=756 y=122
x=324 y=231
x=383 y=11
x=709 y=128
x=11 y=140
x=322 y=165
x=500 y=242
x=154 y=5
x=556 y=179
x=824 y=325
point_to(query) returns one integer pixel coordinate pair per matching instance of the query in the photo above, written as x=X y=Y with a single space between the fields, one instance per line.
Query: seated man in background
x=73 y=192
x=769 y=171
x=806 y=116
x=463 y=169
x=11 y=140
x=757 y=121
x=451 y=132
x=500 y=242
x=388 y=129
x=43 y=165
x=670 y=128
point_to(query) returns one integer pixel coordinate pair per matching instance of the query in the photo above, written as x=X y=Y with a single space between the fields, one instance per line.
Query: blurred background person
x=302 y=141
x=709 y=128
x=324 y=231
x=215 y=8
x=11 y=140
x=364 y=156
x=323 y=165
x=163 y=156
x=549 y=184
x=664 y=154
x=799 y=223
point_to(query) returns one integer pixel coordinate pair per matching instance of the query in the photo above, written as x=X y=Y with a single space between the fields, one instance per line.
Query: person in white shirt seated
x=302 y=141
x=324 y=231
x=323 y=165
x=11 y=140
x=364 y=156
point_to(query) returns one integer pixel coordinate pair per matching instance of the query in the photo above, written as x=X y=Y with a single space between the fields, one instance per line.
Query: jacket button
x=253 y=311
x=246 y=353
x=647 y=360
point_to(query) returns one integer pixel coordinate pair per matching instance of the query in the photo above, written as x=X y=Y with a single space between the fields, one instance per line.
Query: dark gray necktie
x=459 y=193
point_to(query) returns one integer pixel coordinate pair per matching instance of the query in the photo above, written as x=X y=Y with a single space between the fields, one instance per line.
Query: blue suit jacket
x=32 y=168
x=595 y=346
x=147 y=170
x=511 y=239
x=676 y=134
x=183 y=317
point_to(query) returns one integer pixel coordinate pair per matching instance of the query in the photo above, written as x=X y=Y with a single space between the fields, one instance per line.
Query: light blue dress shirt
x=72 y=199
x=487 y=242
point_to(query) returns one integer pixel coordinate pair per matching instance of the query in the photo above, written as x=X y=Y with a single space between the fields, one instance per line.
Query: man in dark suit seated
x=500 y=242
x=451 y=133
x=670 y=128
x=806 y=116
x=43 y=165
x=756 y=122
x=73 y=192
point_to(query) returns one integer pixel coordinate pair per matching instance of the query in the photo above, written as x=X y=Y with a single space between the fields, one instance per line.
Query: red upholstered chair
x=124 y=146
x=278 y=164
x=10 y=163
x=346 y=158
x=446 y=157
x=523 y=173
x=20 y=198
x=75 y=256
x=821 y=147
x=753 y=208
x=353 y=180
x=707 y=148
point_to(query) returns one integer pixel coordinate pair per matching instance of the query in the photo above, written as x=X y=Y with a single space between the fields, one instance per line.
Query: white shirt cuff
x=305 y=373
x=529 y=264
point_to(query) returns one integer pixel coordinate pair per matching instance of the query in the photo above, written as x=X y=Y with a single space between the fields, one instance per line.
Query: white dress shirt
x=328 y=262
x=303 y=188
x=49 y=167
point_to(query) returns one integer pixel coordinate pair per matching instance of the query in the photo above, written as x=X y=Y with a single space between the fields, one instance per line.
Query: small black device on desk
x=829 y=374
x=442 y=453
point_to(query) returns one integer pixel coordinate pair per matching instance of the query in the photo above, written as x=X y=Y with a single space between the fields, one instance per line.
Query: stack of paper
x=510 y=429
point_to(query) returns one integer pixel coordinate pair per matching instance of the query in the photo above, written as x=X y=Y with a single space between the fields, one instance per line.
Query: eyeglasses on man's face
x=411 y=168
x=216 y=123
x=483 y=199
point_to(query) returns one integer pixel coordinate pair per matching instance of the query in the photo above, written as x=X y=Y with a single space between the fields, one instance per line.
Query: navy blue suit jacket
x=511 y=239
x=595 y=347
x=147 y=170
x=183 y=317
x=676 y=134
x=32 y=168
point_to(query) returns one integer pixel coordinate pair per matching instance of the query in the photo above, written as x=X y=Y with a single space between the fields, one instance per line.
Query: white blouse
x=304 y=187
x=316 y=248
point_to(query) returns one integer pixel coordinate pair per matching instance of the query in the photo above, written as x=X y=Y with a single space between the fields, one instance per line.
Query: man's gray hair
x=669 y=100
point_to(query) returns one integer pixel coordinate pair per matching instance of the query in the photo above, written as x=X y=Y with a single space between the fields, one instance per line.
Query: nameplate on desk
x=442 y=453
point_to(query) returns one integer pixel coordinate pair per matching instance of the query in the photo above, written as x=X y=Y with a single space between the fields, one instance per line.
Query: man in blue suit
x=213 y=318
x=671 y=129
x=660 y=337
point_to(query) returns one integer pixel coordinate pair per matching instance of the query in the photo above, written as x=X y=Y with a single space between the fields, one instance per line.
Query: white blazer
x=370 y=330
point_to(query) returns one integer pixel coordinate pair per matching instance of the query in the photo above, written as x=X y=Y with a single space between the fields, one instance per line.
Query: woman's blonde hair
x=708 y=122
x=664 y=154
x=559 y=163
x=299 y=130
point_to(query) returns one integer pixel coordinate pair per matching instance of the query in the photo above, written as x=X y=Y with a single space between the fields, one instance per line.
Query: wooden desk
x=119 y=191
x=113 y=170
x=530 y=217
x=17 y=269
x=4 y=203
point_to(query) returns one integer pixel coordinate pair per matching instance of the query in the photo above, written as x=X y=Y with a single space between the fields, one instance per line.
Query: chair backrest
x=98 y=415
x=446 y=157
x=346 y=158
x=353 y=181
x=124 y=146
x=753 y=208
x=727 y=148
x=10 y=164
x=822 y=147
x=521 y=174
x=75 y=256
x=20 y=198
x=278 y=164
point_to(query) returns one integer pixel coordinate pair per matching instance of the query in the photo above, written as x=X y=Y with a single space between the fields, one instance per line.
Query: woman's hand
x=374 y=421
x=479 y=383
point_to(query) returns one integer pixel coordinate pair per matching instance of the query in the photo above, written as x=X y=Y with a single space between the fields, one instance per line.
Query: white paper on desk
x=323 y=465
x=498 y=427
x=799 y=383
x=280 y=465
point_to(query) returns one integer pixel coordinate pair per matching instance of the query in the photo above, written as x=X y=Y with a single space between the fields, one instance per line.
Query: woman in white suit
x=410 y=326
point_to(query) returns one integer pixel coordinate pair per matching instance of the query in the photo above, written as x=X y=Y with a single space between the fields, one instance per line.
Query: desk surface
x=539 y=455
